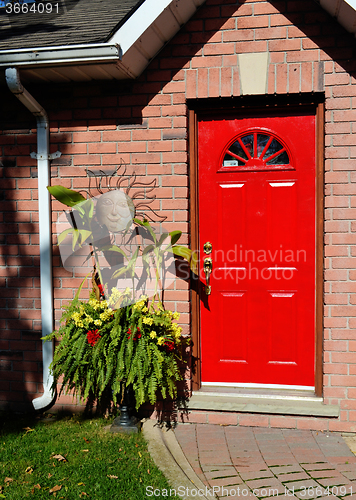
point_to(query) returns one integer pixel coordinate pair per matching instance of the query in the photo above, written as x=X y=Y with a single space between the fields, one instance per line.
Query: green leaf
x=120 y=271
x=81 y=286
x=187 y=254
x=84 y=234
x=113 y=248
x=75 y=238
x=148 y=249
x=147 y=225
x=162 y=238
x=64 y=234
x=175 y=235
x=65 y=195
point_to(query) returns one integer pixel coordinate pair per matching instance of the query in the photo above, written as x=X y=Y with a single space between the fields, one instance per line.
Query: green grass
x=98 y=465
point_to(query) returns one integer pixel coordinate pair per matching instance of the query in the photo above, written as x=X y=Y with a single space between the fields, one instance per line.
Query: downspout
x=44 y=209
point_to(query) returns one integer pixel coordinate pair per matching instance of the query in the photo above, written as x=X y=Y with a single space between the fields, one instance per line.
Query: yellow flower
x=160 y=340
x=176 y=315
x=176 y=331
x=144 y=309
x=147 y=321
x=104 y=316
x=76 y=316
x=98 y=322
x=153 y=334
x=139 y=305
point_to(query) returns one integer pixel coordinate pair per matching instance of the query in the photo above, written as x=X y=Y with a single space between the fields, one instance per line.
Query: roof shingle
x=70 y=22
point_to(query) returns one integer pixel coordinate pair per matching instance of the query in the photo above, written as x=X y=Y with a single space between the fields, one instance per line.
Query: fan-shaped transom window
x=256 y=150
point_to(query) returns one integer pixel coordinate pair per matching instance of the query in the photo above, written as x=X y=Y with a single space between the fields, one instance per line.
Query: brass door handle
x=208 y=267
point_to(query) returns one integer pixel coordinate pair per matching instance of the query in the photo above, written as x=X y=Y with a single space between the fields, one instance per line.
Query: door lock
x=208 y=247
x=208 y=267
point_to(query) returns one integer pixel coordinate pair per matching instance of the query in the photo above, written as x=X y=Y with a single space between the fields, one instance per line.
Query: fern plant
x=101 y=349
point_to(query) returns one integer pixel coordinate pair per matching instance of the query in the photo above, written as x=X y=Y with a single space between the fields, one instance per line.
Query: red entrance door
x=257 y=209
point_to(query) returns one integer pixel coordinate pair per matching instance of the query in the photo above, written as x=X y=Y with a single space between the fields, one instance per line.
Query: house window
x=256 y=150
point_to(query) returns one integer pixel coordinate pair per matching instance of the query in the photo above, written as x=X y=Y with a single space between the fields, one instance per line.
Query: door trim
x=196 y=108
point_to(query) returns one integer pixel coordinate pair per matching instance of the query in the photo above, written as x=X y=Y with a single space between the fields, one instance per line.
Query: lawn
x=73 y=457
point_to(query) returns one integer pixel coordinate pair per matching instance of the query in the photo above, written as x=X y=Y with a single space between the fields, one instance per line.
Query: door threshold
x=262 y=392
x=266 y=401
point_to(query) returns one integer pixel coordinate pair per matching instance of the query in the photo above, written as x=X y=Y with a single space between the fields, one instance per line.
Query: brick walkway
x=245 y=462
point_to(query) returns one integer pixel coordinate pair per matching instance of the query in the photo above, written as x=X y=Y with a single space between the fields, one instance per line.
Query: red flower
x=169 y=345
x=93 y=336
x=137 y=335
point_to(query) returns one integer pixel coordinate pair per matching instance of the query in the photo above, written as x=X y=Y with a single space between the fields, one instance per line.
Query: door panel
x=257 y=208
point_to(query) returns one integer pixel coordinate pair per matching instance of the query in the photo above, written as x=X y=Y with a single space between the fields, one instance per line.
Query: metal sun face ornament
x=115 y=210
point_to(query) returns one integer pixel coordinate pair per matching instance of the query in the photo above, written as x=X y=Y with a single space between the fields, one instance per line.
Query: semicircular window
x=256 y=151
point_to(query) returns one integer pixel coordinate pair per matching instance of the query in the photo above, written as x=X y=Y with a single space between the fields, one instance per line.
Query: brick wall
x=145 y=124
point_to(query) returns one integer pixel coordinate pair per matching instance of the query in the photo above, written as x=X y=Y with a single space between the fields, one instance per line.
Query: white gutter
x=44 y=209
x=62 y=54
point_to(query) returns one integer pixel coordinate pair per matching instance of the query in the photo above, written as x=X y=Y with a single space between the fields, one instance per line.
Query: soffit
x=343 y=10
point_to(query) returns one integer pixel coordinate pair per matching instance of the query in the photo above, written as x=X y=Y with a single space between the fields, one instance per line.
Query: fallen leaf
x=55 y=488
x=81 y=484
x=60 y=458
x=28 y=429
x=36 y=486
x=86 y=440
x=136 y=445
x=85 y=450
x=8 y=479
x=113 y=477
x=49 y=475
x=140 y=455
x=83 y=494
x=29 y=470
x=148 y=471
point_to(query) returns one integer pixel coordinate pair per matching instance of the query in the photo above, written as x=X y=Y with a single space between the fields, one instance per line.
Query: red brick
x=281 y=78
x=302 y=56
x=236 y=82
x=283 y=45
x=337 y=79
x=212 y=49
x=202 y=82
x=344 y=263
x=316 y=424
x=222 y=418
x=160 y=122
x=336 y=425
x=238 y=36
x=254 y=46
x=282 y=422
x=214 y=82
x=249 y=420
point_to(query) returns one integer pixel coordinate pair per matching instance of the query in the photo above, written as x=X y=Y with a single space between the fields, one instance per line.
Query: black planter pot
x=126 y=422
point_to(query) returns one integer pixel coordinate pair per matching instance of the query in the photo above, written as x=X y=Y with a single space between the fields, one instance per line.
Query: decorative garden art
x=122 y=336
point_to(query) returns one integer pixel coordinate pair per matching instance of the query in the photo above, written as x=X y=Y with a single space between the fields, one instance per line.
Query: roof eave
x=124 y=56
x=61 y=55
